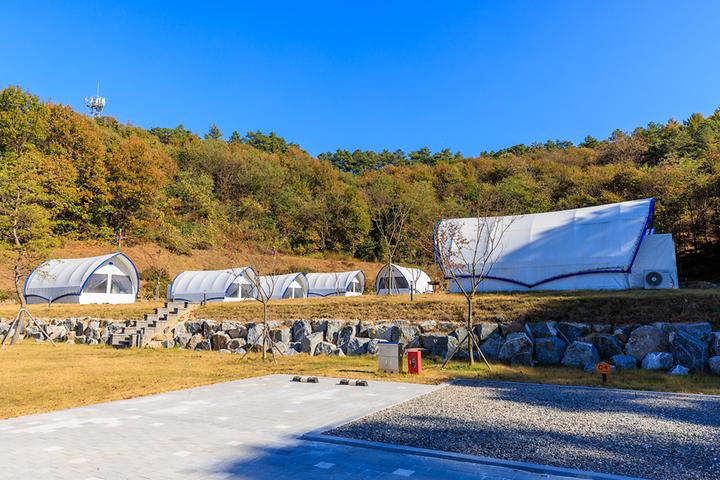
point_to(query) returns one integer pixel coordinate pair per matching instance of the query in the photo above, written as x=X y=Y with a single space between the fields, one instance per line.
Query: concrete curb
x=462 y=457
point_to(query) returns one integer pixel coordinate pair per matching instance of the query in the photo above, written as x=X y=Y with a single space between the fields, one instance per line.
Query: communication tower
x=95 y=104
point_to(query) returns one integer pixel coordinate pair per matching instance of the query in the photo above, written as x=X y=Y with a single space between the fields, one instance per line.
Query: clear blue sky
x=469 y=76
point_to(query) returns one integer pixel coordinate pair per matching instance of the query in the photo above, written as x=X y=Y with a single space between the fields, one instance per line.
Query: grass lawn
x=632 y=306
x=64 y=310
x=39 y=378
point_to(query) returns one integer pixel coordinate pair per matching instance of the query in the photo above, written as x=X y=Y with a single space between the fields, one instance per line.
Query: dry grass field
x=638 y=306
x=39 y=377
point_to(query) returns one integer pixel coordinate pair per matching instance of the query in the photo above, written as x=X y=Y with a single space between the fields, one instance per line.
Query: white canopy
x=231 y=284
x=397 y=279
x=336 y=283
x=290 y=285
x=593 y=247
x=110 y=278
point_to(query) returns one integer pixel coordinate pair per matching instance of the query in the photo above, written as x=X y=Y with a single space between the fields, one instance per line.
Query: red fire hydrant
x=414 y=361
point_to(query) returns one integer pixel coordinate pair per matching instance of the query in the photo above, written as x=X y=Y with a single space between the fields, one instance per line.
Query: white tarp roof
x=541 y=247
x=414 y=276
x=63 y=277
x=208 y=285
x=279 y=284
x=324 y=284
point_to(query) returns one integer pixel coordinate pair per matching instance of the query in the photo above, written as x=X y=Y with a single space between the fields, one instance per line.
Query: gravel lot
x=648 y=435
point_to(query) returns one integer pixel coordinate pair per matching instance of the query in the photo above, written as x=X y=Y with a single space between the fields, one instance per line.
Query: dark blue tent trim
x=641 y=237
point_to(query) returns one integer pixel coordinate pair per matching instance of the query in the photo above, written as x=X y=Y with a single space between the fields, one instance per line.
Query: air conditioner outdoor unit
x=655 y=279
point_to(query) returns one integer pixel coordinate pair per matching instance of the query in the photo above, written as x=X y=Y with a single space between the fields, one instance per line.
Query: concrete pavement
x=244 y=429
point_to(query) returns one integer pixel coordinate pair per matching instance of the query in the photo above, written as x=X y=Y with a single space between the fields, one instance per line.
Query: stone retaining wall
x=674 y=347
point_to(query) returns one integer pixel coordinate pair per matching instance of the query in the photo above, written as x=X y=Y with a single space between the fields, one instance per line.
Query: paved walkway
x=243 y=429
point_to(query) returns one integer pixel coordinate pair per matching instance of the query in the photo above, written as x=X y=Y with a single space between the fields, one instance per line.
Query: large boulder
x=601 y=328
x=182 y=340
x=607 y=345
x=580 y=354
x=623 y=332
x=194 y=341
x=236 y=343
x=193 y=327
x=657 y=361
x=678 y=370
x=310 y=342
x=254 y=334
x=517 y=349
x=281 y=335
x=541 y=329
x=346 y=333
x=219 y=341
x=484 y=330
x=689 y=351
x=427 y=326
x=624 y=362
x=714 y=364
x=514 y=327
x=332 y=330
x=491 y=346
x=698 y=329
x=180 y=329
x=438 y=344
x=549 y=350
x=571 y=332
x=373 y=346
x=646 y=339
x=208 y=328
x=714 y=341
x=300 y=329
x=356 y=346
x=403 y=334
x=325 y=348
x=238 y=331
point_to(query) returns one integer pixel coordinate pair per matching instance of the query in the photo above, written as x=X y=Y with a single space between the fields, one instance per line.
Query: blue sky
x=470 y=76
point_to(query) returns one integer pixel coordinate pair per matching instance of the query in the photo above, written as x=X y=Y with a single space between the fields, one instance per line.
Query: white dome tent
x=395 y=279
x=290 y=285
x=109 y=278
x=607 y=247
x=345 y=284
x=229 y=285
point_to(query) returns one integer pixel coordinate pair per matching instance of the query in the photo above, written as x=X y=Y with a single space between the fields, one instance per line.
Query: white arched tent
x=109 y=278
x=346 y=284
x=395 y=279
x=290 y=285
x=229 y=285
x=608 y=247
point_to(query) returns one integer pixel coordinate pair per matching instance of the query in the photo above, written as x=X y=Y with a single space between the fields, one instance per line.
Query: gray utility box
x=390 y=357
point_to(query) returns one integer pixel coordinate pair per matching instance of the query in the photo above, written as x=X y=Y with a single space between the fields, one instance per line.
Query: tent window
x=120 y=284
x=294 y=292
x=354 y=286
x=398 y=282
x=233 y=291
x=246 y=290
x=97 y=283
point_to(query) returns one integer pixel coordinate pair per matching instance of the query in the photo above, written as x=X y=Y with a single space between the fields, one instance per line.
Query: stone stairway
x=137 y=333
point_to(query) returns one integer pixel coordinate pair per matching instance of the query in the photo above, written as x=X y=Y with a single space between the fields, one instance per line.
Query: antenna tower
x=95 y=104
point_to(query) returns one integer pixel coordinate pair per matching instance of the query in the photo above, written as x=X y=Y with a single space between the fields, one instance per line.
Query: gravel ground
x=640 y=434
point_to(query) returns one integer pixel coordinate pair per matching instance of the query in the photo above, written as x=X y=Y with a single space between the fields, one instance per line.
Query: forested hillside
x=169 y=186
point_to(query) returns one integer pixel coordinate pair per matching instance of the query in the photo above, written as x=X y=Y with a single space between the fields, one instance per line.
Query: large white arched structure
x=395 y=279
x=290 y=285
x=109 y=278
x=230 y=285
x=345 y=284
x=608 y=247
